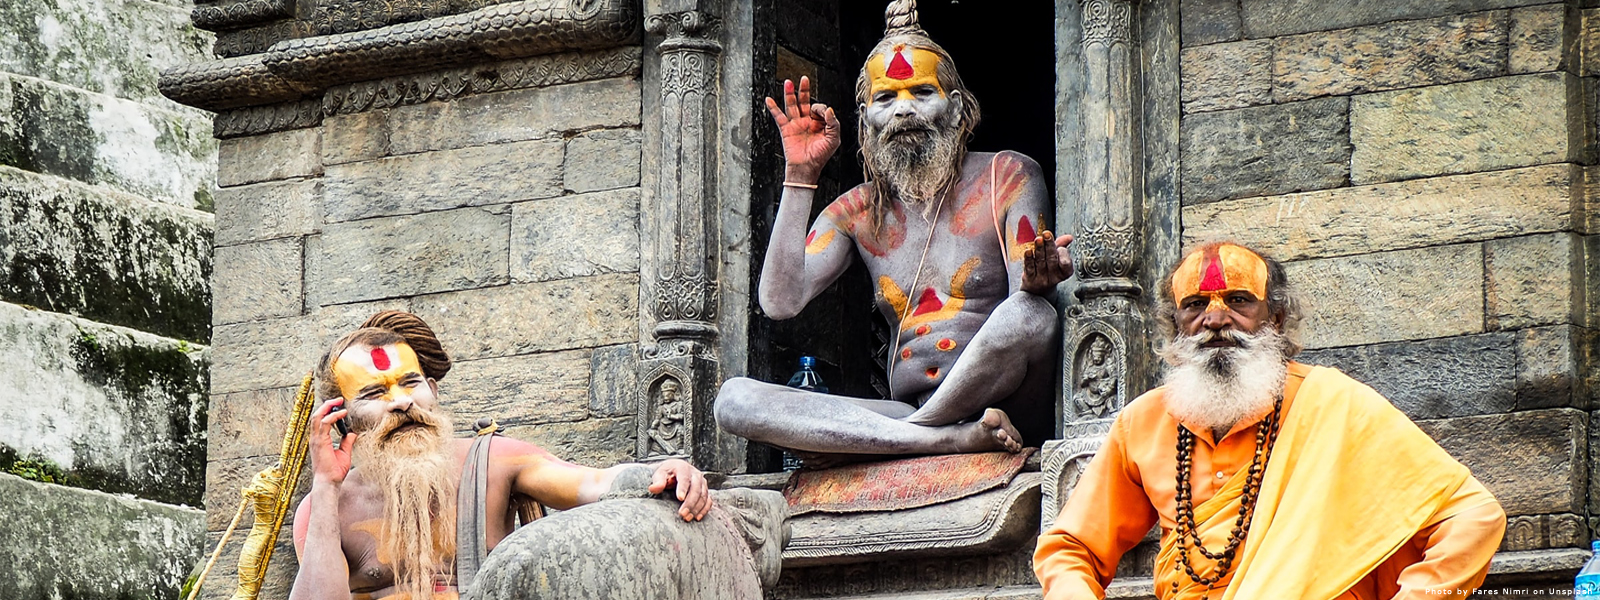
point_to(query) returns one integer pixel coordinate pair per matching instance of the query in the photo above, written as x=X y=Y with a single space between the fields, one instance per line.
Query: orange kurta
x=1356 y=503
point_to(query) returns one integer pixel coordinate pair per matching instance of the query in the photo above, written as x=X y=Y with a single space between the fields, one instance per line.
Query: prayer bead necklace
x=1266 y=437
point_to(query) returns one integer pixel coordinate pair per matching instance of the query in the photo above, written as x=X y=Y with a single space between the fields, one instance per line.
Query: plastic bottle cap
x=808 y=361
x=1595 y=546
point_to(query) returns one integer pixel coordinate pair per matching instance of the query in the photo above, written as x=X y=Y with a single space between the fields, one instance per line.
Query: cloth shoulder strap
x=472 y=533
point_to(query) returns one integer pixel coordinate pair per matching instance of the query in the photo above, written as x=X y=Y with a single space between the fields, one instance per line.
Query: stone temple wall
x=1423 y=168
x=105 y=301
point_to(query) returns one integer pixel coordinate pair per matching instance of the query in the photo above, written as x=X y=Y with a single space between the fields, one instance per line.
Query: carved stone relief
x=1098 y=367
x=236 y=14
x=1064 y=461
x=667 y=429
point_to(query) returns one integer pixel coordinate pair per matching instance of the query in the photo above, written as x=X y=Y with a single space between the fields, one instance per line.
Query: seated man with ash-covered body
x=952 y=241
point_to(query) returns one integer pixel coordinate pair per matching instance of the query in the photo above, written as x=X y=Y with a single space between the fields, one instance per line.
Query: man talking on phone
x=400 y=509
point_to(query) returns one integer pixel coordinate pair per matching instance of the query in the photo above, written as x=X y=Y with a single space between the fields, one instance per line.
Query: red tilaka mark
x=1214 y=281
x=1025 y=232
x=929 y=302
x=380 y=359
x=899 y=68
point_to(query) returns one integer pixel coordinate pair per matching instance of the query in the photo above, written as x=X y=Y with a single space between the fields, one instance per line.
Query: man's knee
x=735 y=404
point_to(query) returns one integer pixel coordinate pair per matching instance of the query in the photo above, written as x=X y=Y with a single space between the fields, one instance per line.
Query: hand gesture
x=810 y=131
x=1046 y=263
x=329 y=464
x=692 y=488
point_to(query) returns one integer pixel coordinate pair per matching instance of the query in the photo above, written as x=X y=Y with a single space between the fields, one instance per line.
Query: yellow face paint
x=1215 y=271
x=358 y=369
x=903 y=68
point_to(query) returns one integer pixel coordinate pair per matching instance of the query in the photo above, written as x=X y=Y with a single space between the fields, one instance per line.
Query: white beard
x=1216 y=388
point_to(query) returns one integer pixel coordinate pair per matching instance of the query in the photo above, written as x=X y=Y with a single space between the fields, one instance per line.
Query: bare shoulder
x=851 y=206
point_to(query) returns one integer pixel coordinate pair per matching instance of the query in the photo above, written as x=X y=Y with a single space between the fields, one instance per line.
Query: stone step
x=114 y=409
x=112 y=47
x=1124 y=589
x=62 y=542
x=103 y=255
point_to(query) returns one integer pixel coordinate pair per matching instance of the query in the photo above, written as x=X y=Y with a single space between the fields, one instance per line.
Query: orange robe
x=1356 y=503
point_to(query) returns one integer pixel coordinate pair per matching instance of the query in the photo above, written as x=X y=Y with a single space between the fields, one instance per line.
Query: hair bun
x=901 y=18
x=431 y=356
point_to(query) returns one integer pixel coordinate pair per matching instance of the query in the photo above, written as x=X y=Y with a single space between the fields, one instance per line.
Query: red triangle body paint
x=380 y=359
x=899 y=68
x=1214 y=281
x=1025 y=232
x=810 y=236
x=929 y=302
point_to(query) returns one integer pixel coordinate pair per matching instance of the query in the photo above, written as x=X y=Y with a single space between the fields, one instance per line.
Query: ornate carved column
x=1106 y=342
x=679 y=373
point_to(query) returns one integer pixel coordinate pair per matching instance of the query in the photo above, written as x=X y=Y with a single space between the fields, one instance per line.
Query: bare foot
x=996 y=433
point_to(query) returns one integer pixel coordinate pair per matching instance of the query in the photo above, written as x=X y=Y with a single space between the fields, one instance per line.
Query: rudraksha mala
x=1187 y=531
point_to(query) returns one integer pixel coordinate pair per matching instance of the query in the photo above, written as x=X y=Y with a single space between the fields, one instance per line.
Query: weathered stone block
x=278 y=353
x=417 y=254
x=355 y=137
x=520 y=390
x=1533 y=462
x=1533 y=280
x=575 y=236
x=61 y=542
x=107 y=256
x=1222 y=76
x=1541 y=39
x=1461 y=128
x=118 y=410
x=160 y=154
x=259 y=280
x=264 y=211
x=1394 y=55
x=1273 y=18
x=1392 y=216
x=1393 y=296
x=535 y=317
x=248 y=424
x=1432 y=379
x=1265 y=150
x=595 y=443
x=514 y=116
x=603 y=160
x=224 y=578
x=433 y=181
x=224 y=480
x=1208 y=21
x=270 y=157
x=613 y=381
x=1550 y=367
x=115 y=48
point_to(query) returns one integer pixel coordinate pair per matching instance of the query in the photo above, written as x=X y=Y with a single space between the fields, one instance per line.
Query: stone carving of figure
x=1097 y=388
x=667 y=430
x=954 y=244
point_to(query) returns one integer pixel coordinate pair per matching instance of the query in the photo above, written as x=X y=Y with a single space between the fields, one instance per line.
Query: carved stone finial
x=900 y=18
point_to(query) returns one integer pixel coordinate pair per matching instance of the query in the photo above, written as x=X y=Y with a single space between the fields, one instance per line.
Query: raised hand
x=329 y=464
x=1046 y=263
x=810 y=131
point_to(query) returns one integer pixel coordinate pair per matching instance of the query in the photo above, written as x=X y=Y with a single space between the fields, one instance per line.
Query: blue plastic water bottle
x=806 y=379
x=1588 y=585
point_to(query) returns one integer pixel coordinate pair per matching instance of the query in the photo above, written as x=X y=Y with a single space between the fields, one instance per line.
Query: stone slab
x=433 y=181
x=603 y=160
x=584 y=312
x=1265 y=150
x=1208 y=21
x=1461 y=128
x=1273 y=18
x=61 y=542
x=1223 y=76
x=1431 y=379
x=1550 y=363
x=595 y=442
x=270 y=157
x=355 y=137
x=259 y=280
x=225 y=478
x=401 y=256
x=1392 y=296
x=1533 y=462
x=529 y=389
x=160 y=154
x=104 y=255
x=1542 y=39
x=118 y=410
x=248 y=424
x=271 y=210
x=1395 y=55
x=514 y=116
x=1393 y=216
x=613 y=381
x=117 y=48
x=575 y=236
x=1533 y=280
x=224 y=578
x=277 y=353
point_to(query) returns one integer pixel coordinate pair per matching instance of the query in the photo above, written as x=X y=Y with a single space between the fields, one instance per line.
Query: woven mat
x=901 y=484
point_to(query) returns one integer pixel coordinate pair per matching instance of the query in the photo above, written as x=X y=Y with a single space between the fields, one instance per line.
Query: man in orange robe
x=1301 y=482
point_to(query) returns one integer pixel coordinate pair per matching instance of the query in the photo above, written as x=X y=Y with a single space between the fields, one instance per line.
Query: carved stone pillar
x=679 y=373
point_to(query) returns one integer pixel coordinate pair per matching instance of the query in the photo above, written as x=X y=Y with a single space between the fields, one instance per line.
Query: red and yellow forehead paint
x=359 y=367
x=903 y=68
x=1214 y=271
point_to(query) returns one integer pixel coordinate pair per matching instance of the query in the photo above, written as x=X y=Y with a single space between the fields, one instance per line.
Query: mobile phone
x=341 y=425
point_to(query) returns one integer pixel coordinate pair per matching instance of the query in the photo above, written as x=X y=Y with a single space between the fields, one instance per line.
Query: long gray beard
x=415 y=470
x=1216 y=388
x=918 y=164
